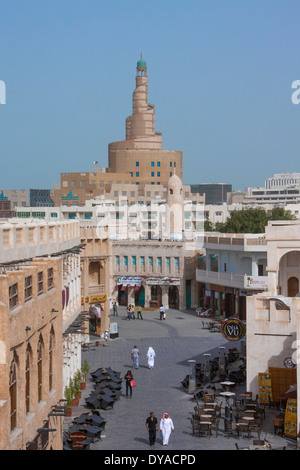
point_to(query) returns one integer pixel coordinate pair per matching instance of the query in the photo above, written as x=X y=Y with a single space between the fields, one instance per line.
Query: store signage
x=233 y=329
x=98 y=298
x=162 y=281
x=77 y=436
x=256 y=282
x=70 y=197
x=113 y=328
x=129 y=281
x=93 y=299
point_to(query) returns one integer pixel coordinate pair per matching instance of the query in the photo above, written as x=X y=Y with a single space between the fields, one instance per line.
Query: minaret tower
x=142 y=121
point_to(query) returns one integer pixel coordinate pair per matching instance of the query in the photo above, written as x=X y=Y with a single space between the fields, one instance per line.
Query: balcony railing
x=232 y=280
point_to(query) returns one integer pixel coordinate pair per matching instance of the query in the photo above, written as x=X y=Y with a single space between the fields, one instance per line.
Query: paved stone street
x=175 y=340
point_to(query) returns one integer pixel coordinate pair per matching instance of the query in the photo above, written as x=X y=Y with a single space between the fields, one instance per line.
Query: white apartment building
x=283 y=188
x=230 y=268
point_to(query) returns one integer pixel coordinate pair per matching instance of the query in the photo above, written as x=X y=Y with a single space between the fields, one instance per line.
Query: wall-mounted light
x=27 y=328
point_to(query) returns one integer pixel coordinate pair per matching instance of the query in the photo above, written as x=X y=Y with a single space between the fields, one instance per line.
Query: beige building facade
x=273 y=325
x=95 y=276
x=39 y=351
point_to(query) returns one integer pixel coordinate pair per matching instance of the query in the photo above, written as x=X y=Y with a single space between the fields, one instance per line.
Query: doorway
x=293 y=286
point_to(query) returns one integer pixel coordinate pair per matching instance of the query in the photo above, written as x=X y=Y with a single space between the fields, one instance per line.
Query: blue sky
x=220 y=75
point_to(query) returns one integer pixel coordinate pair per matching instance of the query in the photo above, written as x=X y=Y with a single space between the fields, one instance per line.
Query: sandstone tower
x=141 y=154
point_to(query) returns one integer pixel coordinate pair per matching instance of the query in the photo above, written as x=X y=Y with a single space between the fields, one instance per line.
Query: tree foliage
x=252 y=220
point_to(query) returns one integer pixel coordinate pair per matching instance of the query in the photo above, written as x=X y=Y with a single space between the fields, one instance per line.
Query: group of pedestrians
x=135 y=356
x=131 y=312
x=166 y=427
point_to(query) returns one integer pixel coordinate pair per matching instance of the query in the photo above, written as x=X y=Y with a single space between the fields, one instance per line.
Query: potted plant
x=68 y=397
x=77 y=381
x=85 y=368
x=75 y=401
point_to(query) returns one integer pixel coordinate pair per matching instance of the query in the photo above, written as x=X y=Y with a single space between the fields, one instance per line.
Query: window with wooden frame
x=13 y=296
x=40 y=284
x=50 y=278
x=51 y=376
x=13 y=394
x=27 y=379
x=28 y=288
x=40 y=369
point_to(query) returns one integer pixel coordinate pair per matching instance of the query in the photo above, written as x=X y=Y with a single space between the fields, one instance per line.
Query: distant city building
x=18 y=197
x=281 y=189
x=215 y=193
x=40 y=198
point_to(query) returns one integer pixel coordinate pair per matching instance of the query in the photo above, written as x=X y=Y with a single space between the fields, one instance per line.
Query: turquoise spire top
x=141 y=62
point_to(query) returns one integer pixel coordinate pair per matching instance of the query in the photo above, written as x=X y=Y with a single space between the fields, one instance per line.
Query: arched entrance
x=122 y=295
x=293 y=286
x=174 y=297
x=156 y=296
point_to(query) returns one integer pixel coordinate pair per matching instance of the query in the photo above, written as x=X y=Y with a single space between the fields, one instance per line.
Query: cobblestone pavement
x=175 y=340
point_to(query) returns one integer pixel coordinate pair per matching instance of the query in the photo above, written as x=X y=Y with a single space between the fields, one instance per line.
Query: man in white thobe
x=166 y=427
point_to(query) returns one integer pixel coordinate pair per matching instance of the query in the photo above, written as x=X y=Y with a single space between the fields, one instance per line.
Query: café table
x=227 y=384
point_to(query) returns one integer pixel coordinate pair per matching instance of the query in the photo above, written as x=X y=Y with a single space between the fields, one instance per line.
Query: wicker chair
x=255 y=426
x=243 y=428
x=205 y=429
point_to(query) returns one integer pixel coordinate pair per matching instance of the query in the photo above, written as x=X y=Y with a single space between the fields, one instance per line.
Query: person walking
x=139 y=312
x=166 y=427
x=106 y=337
x=152 y=427
x=132 y=312
x=115 y=310
x=129 y=312
x=135 y=353
x=151 y=356
x=162 y=314
x=128 y=378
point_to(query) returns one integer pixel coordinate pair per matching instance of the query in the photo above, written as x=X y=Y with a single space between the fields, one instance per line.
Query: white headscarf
x=151 y=352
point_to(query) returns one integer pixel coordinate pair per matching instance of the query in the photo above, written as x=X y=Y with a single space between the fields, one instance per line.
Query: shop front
x=162 y=291
x=130 y=291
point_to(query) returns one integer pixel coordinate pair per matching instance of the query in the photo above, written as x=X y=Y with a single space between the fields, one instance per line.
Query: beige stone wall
x=43 y=315
x=95 y=270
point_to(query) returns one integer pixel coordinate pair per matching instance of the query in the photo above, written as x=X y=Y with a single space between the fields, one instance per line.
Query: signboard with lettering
x=129 y=281
x=94 y=299
x=265 y=388
x=290 y=421
x=98 y=298
x=233 y=329
x=163 y=281
x=70 y=197
x=256 y=282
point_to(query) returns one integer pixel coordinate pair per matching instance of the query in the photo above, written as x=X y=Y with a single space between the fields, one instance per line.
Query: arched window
x=51 y=341
x=13 y=394
x=40 y=368
x=27 y=379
